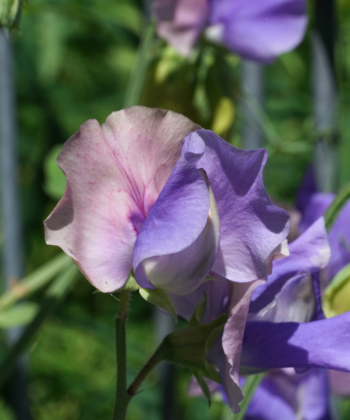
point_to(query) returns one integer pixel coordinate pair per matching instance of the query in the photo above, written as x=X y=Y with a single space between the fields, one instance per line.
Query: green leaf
x=204 y=386
x=335 y=208
x=249 y=388
x=55 y=180
x=159 y=298
x=10 y=11
x=198 y=313
x=35 y=280
x=336 y=297
x=18 y=315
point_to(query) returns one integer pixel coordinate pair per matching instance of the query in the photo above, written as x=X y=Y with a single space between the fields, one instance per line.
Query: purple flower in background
x=285 y=395
x=313 y=204
x=286 y=325
x=256 y=30
x=150 y=191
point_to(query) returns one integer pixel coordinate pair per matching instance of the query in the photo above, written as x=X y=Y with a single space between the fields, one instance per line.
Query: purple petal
x=306 y=190
x=268 y=404
x=179 y=239
x=290 y=396
x=180 y=22
x=251 y=226
x=317 y=205
x=324 y=343
x=339 y=383
x=232 y=341
x=309 y=253
x=114 y=175
x=339 y=235
x=260 y=30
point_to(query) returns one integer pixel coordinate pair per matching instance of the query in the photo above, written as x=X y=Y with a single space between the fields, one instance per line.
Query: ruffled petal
x=180 y=22
x=308 y=254
x=260 y=30
x=232 y=341
x=178 y=242
x=324 y=343
x=114 y=176
x=251 y=226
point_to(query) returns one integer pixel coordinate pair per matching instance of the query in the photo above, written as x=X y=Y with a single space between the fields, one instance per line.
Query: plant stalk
x=121 y=398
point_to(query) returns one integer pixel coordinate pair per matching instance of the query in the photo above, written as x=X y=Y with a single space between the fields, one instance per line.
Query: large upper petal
x=324 y=343
x=260 y=30
x=180 y=22
x=308 y=254
x=252 y=227
x=114 y=176
x=178 y=242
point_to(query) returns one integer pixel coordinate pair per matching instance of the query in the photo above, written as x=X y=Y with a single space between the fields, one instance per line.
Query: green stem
x=138 y=76
x=157 y=357
x=249 y=388
x=121 y=398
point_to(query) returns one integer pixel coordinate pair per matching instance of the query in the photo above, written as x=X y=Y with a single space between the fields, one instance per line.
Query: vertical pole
x=324 y=96
x=164 y=325
x=253 y=100
x=15 y=389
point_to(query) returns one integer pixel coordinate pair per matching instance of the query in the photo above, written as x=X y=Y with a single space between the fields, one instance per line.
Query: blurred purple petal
x=114 y=176
x=290 y=396
x=324 y=343
x=260 y=30
x=180 y=22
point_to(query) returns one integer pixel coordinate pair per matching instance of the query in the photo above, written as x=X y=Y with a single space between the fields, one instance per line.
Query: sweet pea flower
x=151 y=191
x=285 y=324
x=313 y=204
x=256 y=30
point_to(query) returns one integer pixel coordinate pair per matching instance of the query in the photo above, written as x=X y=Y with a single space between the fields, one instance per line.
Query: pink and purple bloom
x=285 y=327
x=256 y=30
x=151 y=191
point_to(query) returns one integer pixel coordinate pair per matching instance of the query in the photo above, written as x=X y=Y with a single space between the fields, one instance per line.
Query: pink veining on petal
x=114 y=176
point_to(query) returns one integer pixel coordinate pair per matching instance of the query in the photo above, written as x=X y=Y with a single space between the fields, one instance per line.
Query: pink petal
x=114 y=176
x=180 y=22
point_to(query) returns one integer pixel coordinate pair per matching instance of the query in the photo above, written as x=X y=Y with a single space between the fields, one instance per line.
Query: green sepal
x=131 y=285
x=336 y=297
x=159 y=298
x=199 y=312
x=203 y=385
x=188 y=347
x=335 y=208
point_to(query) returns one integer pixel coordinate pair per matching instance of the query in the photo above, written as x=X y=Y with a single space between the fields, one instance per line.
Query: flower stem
x=157 y=357
x=121 y=398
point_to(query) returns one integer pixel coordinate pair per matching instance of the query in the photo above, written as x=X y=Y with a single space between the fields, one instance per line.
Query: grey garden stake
x=325 y=96
x=15 y=389
x=253 y=98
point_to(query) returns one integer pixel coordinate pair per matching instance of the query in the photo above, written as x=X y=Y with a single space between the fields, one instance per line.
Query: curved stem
x=251 y=384
x=157 y=357
x=121 y=398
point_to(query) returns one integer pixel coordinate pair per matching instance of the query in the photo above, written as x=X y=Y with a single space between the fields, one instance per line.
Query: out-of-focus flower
x=286 y=326
x=313 y=204
x=150 y=191
x=285 y=395
x=256 y=30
